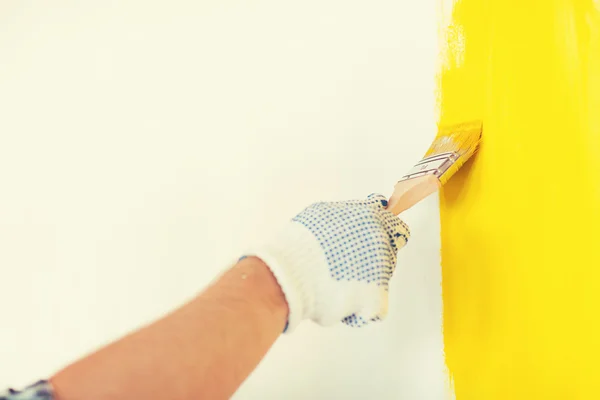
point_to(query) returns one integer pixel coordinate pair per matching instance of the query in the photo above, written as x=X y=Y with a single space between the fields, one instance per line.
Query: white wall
x=144 y=143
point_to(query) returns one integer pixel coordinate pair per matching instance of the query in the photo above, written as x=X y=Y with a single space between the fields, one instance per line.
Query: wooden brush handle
x=409 y=192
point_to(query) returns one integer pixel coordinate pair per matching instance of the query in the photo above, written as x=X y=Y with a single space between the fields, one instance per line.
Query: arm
x=331 y=263
x=205 y=349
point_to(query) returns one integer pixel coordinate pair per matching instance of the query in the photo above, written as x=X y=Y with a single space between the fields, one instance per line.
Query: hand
x=334 y=261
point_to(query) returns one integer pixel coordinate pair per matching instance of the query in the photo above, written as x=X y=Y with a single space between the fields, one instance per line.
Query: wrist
x=262 y=285
x=297 y=262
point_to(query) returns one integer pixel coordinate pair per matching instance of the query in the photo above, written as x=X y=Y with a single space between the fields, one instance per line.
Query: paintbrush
x=450 y=149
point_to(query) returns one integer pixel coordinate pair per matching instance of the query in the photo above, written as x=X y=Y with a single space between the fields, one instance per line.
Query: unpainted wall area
x=144 y=144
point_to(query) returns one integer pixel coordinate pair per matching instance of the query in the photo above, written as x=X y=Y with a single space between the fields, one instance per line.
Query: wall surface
x=521 y=284
x=144 y=143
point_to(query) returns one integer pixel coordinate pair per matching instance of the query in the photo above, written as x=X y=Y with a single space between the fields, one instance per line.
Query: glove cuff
x=297 y=261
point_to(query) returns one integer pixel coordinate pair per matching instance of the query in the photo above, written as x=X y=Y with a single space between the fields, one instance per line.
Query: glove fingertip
x=400 y=239
x=378 y=200
x=397 y=230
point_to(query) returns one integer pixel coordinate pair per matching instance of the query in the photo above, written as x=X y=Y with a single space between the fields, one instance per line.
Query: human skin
x=204 y=349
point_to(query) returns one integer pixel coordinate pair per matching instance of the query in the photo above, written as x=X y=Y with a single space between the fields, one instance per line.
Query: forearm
x=205 y=349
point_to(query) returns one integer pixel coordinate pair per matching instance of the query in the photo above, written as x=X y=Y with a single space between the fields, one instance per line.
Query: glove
x=334 y=261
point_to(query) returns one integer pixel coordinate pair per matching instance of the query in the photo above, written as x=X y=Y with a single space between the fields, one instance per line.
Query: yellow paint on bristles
x=461 y=139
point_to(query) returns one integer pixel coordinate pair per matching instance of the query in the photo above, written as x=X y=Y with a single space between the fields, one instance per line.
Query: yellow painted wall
x=521 y=223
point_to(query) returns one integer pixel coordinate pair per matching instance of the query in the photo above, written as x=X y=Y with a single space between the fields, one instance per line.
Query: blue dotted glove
x=334 y=261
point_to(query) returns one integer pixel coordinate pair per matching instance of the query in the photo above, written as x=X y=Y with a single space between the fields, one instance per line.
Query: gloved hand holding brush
x=334 y=261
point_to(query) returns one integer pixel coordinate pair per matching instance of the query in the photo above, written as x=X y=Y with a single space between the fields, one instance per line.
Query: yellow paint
x=521 y=224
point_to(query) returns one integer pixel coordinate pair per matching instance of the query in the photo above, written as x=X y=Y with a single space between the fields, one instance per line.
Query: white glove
x=334 y=261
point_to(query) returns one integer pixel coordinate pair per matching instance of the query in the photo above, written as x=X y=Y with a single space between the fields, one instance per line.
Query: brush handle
x=409 y=192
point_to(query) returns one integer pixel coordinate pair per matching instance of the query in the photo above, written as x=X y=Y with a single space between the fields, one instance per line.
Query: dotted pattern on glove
x=38 y=391
x=360 y=239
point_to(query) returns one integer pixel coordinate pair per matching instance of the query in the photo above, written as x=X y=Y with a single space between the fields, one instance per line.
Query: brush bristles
x=462 y=139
